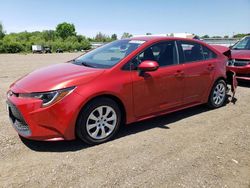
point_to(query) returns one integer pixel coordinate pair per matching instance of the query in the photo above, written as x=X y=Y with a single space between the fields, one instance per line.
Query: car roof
x=159 y=38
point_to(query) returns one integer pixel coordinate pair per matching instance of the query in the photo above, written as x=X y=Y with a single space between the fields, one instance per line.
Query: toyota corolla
x=122 y=82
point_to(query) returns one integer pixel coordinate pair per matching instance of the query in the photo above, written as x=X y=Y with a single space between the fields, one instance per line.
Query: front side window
x=109 y=54
x=163 y=53
x=190 y=51
x=244 y=44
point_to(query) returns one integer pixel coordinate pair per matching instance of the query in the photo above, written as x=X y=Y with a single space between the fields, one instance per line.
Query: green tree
x=22 y=42
x=126 y=35
x=241 y=35
x=205 y=36
x=217 y=37
x=49 y=35
x=65 y=30
x=100 y=37
x=2 y=33
x=80 y=38
x=114 y=36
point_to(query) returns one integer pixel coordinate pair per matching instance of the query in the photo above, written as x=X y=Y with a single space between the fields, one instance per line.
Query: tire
x=218 y=94
x=94 y=128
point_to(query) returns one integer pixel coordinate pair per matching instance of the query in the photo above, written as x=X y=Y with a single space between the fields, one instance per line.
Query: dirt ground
x=196 y=147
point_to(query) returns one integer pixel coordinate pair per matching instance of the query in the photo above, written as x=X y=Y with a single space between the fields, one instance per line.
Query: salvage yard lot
x=196 y=147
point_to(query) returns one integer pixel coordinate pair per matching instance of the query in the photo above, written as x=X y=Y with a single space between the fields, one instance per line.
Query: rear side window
x=207 y=53
x=190 y=51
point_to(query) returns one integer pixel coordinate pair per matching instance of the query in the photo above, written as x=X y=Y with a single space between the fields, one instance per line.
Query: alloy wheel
x=101 y=122
x=219 y=94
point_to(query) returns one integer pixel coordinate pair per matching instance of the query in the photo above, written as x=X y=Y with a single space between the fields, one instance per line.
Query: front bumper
x=242 y=72
x=55 y=122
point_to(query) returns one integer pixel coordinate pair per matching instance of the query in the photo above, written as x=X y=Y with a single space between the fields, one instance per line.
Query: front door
x=158 y=90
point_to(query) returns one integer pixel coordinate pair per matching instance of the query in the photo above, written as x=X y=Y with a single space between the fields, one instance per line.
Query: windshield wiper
x=82 y=63
x=87 y=65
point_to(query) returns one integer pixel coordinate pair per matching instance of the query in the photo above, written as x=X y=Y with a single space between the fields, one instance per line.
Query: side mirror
x=148 y=65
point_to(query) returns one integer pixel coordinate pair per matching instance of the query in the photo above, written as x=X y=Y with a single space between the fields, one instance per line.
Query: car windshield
x=243 y=44
x=108 y=55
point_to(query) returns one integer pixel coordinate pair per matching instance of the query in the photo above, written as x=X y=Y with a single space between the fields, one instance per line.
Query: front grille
x=238 y=62
x=17 y=120
x=14 y=112
x=243 y=75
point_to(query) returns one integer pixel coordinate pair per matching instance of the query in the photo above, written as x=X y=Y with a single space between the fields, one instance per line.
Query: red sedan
x=119 y=83
x=240 y=55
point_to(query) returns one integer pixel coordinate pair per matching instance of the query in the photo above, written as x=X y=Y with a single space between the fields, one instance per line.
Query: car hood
x=55 y=77
x=241 y=54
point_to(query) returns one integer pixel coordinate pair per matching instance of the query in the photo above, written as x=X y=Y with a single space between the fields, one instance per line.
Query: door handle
x=210 y=67
x=179 y=73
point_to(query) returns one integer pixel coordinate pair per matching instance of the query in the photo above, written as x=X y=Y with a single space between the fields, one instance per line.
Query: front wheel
x=99 y=121
x=218 y=94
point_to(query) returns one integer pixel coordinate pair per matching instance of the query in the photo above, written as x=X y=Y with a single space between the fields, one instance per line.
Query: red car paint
x=240 y=61
x=162 y=91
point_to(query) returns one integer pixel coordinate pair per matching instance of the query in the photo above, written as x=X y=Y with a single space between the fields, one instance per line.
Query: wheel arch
x=215 y=80
x=112 y=97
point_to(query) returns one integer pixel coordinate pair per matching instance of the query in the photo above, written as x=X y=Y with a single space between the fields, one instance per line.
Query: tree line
x=63 y=37
x=239 y=35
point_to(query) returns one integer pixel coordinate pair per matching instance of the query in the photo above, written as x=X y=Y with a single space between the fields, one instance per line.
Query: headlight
x=50 y=97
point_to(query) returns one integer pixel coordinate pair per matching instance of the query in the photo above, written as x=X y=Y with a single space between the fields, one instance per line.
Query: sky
x=212 y=17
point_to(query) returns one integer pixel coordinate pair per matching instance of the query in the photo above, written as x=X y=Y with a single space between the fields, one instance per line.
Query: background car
x=240 y=59
x=59 y=50
x=121 y=82
x=47 y=50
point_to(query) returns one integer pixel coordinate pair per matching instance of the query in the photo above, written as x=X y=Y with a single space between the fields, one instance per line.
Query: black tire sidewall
x=81 y=129
x=211 y=101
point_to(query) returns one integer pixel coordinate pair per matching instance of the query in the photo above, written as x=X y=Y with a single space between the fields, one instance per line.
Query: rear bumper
x=56 y=122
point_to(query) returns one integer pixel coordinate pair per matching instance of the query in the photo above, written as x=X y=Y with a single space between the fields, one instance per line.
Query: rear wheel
x=218 y=94
x=98 y=121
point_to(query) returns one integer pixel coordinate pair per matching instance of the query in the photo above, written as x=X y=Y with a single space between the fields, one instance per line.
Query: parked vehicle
x=59 y=50
x=47 y=50
x=121 y=82
x=240 y=59
x=37 y=49
x=41 y=49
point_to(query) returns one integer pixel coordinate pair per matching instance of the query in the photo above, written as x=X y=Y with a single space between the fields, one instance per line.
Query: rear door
x=199 y=67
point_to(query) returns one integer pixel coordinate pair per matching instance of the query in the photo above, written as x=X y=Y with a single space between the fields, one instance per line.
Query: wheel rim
x=101 y=122
x=219 y=94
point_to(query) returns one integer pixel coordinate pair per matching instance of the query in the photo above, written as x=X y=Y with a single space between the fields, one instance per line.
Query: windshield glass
x=109 y=54
x=244 y=44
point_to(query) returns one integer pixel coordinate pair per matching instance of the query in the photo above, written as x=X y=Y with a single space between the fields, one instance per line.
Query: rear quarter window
x=207 y=53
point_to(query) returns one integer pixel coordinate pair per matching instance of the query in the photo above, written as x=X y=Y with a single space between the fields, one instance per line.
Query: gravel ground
x=196 y=147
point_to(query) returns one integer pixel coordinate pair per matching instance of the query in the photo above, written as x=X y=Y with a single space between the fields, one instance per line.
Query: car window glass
x=243 y=44
x=207 y=53
x=191 y=51
x=163 y=53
